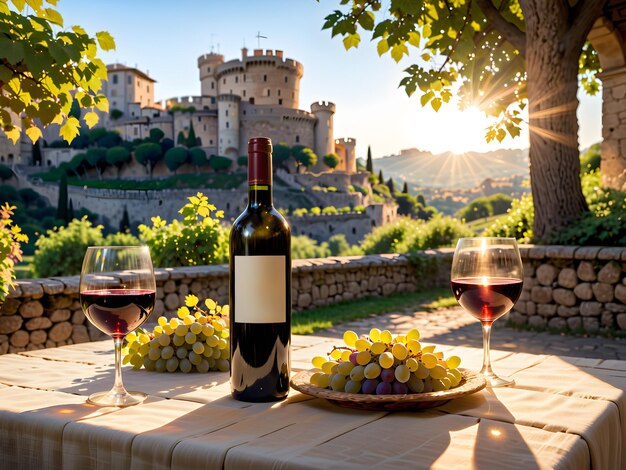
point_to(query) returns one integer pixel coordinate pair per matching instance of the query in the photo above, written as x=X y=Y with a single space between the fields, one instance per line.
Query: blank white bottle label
x=260 y=285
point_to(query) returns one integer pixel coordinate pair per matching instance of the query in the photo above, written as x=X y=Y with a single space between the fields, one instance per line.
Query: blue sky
x=165 y=38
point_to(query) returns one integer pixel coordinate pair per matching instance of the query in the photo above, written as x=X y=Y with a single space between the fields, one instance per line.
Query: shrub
x=280 y=154
x=156 y=135
x=5 y=172
x=590 y=159
x=198 y=157
x=331 y=160
x=482 y=207
x=10 y=253
x=148 y=155
x=517 y=223
x=219 y=163
x=304 y=247
x=391 y=238
x=175 y=157
x=330 y=210
x=121 y=239
x=117 y=156
x=440 y=231
x=197 y=239
x=60 y=252
x=242 y=160
x=300 y=212
x=339 y=246
x=29 y=196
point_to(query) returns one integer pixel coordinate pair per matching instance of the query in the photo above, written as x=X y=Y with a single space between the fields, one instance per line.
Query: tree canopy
x=331 y=160
x=44 y=69
x=499 y=56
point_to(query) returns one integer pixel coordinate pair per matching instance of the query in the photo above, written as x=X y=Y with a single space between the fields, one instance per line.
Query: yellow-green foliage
x=10 y=238
x=196 y=240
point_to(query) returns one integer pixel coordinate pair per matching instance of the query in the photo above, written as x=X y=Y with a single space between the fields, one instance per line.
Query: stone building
x=258 y=94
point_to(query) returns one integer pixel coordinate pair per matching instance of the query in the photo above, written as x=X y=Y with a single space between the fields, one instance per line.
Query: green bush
x=219 y=163
x=60 y=251
x=590 y=159
x=175 y=157
x=517 y=223
x=303 y=247
x=196 y=240
x=440 y=231
x=339 y=246
x=482 y=207
x=5 y=172
x=121 y=239
x=242 y=160
x=391 y=238
x=300 y=212
x=329 y=210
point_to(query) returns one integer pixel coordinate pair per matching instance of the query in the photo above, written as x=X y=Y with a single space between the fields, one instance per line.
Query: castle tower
x=346 y=151
x=324 y=141
x=228 y=125
x=207 y=65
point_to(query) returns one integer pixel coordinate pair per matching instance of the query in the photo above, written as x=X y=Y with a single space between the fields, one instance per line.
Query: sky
x=165 y=39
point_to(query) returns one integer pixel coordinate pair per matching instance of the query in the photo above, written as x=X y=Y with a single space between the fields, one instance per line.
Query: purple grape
x=388 y=375
x=383 y=388
x=353 y=359
x=399 y=388
x=369 y=386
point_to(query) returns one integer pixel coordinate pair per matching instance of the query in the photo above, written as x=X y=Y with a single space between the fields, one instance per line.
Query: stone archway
x=608 y=37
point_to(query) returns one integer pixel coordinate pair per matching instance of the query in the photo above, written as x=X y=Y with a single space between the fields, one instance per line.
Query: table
x=563 y=413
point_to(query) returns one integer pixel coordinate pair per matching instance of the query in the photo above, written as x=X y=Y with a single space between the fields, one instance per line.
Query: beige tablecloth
x=562 y=413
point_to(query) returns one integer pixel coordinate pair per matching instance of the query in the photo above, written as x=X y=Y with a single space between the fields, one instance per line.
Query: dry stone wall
x=581 y=289
x=565 y=288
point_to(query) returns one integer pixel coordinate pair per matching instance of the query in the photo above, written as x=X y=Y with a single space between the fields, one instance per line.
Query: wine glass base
x=116 y=399
x=494 y=380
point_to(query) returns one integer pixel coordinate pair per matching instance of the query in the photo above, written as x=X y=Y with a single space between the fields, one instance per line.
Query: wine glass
x=486 y=279
x=117 y=294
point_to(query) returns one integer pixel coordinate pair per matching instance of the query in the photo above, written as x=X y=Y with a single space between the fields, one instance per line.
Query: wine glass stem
x=486 y=370
x=118 y=386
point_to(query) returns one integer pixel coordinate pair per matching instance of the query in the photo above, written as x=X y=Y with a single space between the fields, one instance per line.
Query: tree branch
x=583 y=15
x=511 y=32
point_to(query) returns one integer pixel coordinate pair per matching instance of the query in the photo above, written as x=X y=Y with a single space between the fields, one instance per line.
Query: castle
x=258 y=94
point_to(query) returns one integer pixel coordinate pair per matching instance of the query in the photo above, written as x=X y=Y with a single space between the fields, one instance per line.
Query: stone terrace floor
x=454 y=327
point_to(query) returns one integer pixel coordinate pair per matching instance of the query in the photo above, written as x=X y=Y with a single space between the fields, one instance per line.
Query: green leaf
x=351 y=40
x=69 y=130
x=382 y=46
x=105 y=40
x=366 y=20
x=58 y=53
x=48 y=110
x=13 y=51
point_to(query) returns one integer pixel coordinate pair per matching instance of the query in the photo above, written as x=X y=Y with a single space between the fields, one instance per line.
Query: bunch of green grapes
x=382 y=364
x=197 y=339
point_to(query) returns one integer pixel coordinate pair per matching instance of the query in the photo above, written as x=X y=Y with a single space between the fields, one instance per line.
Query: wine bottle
x=260 y=288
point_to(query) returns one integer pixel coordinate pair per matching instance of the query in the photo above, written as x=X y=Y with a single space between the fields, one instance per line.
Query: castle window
x=264 y=78
x=224 y=81
x=136 y=131
x=293 y=95
x=205 y=128
x=268 y=92
x=227 y=113
x=286 y=79
x=297 y=139
x=115 y=79
x=353 y=230
x=279 y=92
x=129 y=80
x=244 y=77
x=199 y=119
x=212 y=85
x=113 y=92
x=252 y=100
x=227 y=124
x=280 y=101
x=148 y=88
x=244 y=112
x=236 y=79
x=210 y=141
x=244 y=93
x=208 y=69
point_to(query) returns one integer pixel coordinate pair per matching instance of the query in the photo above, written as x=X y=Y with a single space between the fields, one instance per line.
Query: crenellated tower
x=207 y=66
x=228 y=125
x=346 y=151
x=324 y=140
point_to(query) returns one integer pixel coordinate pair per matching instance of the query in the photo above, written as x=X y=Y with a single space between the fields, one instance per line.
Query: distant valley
x=452 y=171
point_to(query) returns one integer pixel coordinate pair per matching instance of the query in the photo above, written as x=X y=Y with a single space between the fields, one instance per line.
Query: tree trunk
x=552 y=77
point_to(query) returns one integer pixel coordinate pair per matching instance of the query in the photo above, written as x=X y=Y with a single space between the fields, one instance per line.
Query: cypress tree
x=380 y=177
x=391 y=186
x=191 y=137
x=421 y=200
x=62 y=202
x=125 y=222
x=181 y=140
x=369 y=166
x=70 y=212
x=405 y=188
x=37 y=159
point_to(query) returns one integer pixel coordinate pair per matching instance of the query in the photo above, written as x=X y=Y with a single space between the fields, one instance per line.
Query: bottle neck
x=259 y=194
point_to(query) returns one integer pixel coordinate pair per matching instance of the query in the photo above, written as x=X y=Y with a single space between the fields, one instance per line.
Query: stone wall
x=573 y=288
x=565 y=288
x=41 y=313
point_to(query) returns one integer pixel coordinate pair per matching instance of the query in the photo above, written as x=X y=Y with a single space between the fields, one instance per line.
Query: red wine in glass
x=117 y=312
x=487 y=298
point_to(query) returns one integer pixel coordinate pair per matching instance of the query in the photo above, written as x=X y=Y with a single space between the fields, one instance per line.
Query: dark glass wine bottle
x=260 y=288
